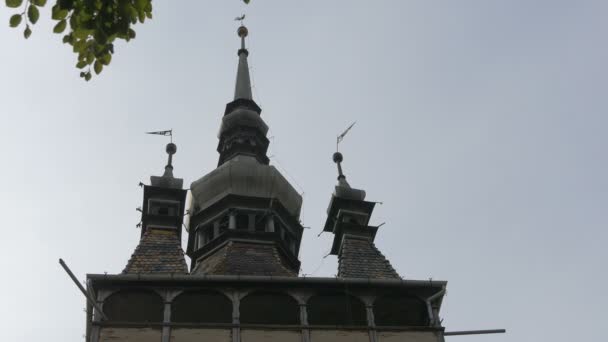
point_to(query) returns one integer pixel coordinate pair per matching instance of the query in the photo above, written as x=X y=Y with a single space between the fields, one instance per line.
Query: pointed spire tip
x=243 y=81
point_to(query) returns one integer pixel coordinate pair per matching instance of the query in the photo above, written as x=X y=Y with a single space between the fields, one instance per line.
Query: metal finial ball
x=242 y=31
x=338 y=157
x=171 y=148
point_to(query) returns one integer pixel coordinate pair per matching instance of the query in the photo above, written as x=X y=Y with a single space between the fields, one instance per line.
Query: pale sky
x=481 y=126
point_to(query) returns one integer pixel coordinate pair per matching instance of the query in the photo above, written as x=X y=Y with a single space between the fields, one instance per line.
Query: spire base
x=242 y=103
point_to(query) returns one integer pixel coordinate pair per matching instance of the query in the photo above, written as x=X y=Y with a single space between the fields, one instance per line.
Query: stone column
x=437 y=323
x=371 y=322
x=231 y=221
x=166 y=337
x=302 y=298
x=200 y=238
x=236 y=317
x=368 y=300
x=95 y=329
x=436 y=319
x=304 y=322
x=168 y=298
x=373 y=336
x=270 y=224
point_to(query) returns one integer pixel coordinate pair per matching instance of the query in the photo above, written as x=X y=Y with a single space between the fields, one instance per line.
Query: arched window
x=134 y=306
x=201 y=307
x=336 y=309
x=396 y=310
x=269 y=308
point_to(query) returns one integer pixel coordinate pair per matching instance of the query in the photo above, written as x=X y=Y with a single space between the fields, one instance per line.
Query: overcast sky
x=481 y=125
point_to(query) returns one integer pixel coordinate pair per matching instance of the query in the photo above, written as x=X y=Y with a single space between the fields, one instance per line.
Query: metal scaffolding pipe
x=474 y=332
x=82 y=289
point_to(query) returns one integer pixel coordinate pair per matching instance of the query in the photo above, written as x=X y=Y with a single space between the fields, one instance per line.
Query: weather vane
x=241 y=18
x=168 y=132
x=341 y=136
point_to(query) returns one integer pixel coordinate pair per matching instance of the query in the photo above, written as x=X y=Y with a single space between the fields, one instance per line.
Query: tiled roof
x=159 y=251
x=245 y=258
x=359 y=258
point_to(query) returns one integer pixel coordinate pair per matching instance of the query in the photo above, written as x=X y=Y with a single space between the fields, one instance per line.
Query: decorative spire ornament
x=242 y=89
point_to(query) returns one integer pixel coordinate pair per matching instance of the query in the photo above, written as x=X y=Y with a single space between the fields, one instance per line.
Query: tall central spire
x=244 y=215
x=243 y=132
x=242 y=89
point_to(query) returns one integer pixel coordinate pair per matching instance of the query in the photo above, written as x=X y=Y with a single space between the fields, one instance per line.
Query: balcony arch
x=336 y=309
x=399 y=310
x=134 y=306
x=201 y=306
x=269 y=308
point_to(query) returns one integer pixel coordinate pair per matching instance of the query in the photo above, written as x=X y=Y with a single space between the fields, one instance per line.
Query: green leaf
x=87 y=76
x=71 y=4
x=15 y=20
x=60 y=27
x=98 y=67
x=133 y=15
x=140 y=5
x=79 y=45
x=81 y=64
x=100 y=37
x=33 y=14
x=246 y=1
x=13 y=3
x=105 y=59
x=81 y=33
x=57 y=13
x=39 y=3
x=27 y=32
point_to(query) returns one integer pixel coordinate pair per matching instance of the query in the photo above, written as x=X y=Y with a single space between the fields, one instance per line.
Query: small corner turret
x=348 y=218
x=162 y=216
x=164 y=199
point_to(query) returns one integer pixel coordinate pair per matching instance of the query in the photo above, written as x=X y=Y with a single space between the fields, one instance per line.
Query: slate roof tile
x=159 y=251
x=244 y=258
x=359 y=258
